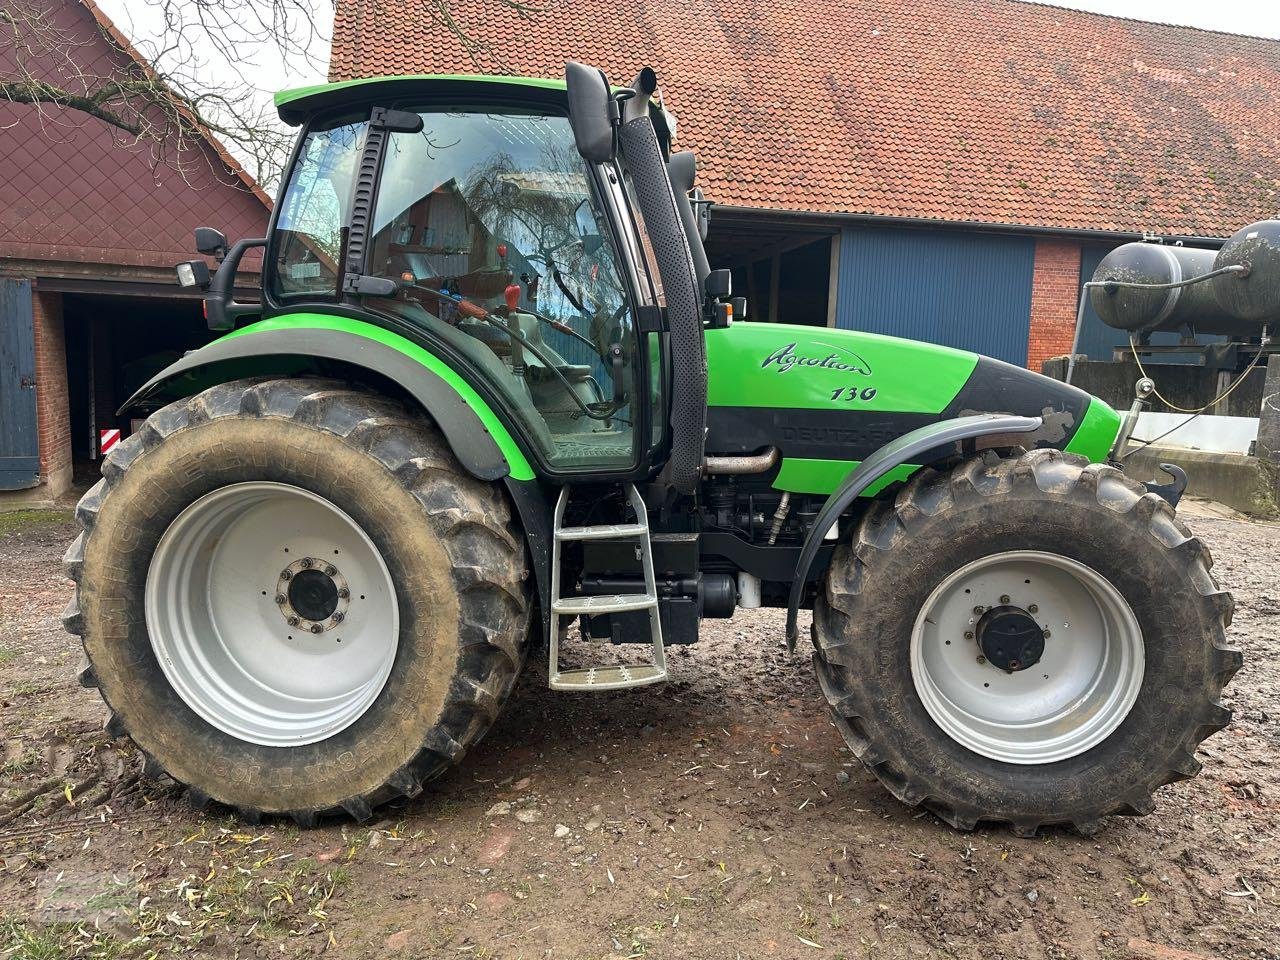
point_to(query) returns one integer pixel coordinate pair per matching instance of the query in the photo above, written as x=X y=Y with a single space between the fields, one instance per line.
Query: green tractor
x=492 y=389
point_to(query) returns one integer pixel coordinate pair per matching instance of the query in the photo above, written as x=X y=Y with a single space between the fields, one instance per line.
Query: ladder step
x=605 y=531
x=604 y=603
x=608 y=678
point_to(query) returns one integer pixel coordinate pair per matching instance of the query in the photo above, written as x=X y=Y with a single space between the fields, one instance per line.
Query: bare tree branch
x=161 y=94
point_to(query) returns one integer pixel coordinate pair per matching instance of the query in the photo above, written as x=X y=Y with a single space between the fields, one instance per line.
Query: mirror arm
x=221 y=311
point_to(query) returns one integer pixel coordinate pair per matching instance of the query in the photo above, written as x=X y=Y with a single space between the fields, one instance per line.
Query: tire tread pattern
x=472 y=518
x=887 y=526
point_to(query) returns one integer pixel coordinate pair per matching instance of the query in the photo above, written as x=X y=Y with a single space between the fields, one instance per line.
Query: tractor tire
x=945 y=643
x=231 y=546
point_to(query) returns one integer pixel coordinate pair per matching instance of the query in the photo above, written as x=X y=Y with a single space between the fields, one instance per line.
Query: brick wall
x=1055 y=289
x=53 y=414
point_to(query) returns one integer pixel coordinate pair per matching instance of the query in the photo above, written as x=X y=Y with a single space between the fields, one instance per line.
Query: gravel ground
x=718 y=816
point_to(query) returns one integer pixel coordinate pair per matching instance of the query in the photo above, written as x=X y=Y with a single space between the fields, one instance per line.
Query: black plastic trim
x=221 y=309
x=768 y=563
x=908 y=448
x=469 y=438
x=533 y=507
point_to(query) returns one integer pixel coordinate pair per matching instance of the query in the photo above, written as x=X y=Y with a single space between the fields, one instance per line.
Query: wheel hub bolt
x=305 y=563
x=316 y=628
x=979 y=609
x=339 y=617
x=293 y=621
x=968 y=634
x=982 y=659
x=1033 y=609
x=1047 y=634
x=1004 y=598
x=344 y=593
x=331 y=570
x=281 y=598
x=286 y=575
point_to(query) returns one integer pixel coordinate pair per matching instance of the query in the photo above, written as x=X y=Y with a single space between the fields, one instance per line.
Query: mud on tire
x=449 y=544
x=1048 y=501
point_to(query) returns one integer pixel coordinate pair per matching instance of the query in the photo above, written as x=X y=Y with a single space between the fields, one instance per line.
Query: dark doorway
x=114 y=345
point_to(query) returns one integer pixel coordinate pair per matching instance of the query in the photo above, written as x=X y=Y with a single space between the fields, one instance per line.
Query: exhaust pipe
x=753 y=463
x=645 y=86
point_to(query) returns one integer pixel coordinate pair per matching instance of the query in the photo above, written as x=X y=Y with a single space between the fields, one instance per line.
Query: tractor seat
x=574 y=373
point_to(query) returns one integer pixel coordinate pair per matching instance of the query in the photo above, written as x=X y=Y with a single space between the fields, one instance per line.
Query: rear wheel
x=1030 y=640
x=294 y=600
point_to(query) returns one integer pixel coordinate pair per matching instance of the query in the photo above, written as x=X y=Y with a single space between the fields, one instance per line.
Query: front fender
x=911 y=447
x=477 y=437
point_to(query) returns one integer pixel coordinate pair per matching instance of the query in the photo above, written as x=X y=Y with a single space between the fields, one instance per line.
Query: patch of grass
x=18 y=521
x=7 y=655
x=29 y=688
x=21 y=940
x=246 y=891
x=22 y=762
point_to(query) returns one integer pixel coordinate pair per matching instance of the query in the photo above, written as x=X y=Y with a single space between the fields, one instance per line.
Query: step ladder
x=615 y=677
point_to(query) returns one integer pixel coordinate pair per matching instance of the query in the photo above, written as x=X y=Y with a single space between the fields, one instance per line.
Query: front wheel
x=1030 y=640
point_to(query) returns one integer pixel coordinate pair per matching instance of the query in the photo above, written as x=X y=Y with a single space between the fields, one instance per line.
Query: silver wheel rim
x=1075 y=696
x=223 y=586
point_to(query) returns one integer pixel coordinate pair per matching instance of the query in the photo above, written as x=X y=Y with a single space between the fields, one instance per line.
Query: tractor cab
x=477 y=216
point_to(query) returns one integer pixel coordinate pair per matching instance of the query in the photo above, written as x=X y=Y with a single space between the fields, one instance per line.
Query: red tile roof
x=76 y=191
x=968 y=110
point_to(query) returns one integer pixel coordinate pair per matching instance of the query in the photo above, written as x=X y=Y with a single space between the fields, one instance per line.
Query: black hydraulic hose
x=1135 y=285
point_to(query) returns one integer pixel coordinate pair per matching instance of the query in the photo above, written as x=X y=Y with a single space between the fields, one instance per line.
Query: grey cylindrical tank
x=1255 y=296
x=1127 y=308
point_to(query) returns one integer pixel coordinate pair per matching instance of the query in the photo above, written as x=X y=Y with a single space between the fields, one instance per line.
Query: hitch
x=1172 y=492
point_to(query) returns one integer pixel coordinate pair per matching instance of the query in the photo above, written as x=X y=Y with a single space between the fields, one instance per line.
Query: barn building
x=92 y=221
x=946 y=170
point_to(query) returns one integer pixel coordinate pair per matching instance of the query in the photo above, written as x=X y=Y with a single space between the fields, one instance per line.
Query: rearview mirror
x=590 y=112
x=211 y=242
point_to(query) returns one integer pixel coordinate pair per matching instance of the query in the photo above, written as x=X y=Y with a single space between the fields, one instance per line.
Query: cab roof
x=297 y=104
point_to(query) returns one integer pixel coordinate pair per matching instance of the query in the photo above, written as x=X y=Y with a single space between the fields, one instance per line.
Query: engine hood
x=828 y=398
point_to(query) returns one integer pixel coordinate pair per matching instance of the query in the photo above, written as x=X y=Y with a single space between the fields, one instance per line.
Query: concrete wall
x=1186 y=385
x=1247 y=484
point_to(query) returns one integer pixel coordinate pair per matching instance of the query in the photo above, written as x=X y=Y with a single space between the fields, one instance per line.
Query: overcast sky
x=261 y=63
x=1259 y=18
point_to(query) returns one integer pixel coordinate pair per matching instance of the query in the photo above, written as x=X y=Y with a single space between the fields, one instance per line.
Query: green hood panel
x=1097 y=431
x=775 y=365
x=828 y=399
x=517 y=462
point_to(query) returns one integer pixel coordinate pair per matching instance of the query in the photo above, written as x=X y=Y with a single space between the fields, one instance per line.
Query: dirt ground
x=719 y=816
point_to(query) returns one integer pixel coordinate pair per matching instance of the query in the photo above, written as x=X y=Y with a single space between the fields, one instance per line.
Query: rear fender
x=914 y=447
x=477 y=437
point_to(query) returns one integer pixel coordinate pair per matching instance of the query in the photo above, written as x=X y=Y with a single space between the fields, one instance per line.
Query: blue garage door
x=19 y=448
x=961 y=289
x=1099 y=341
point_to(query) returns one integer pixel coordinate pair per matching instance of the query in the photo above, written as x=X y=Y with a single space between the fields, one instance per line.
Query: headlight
x=193 y=273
